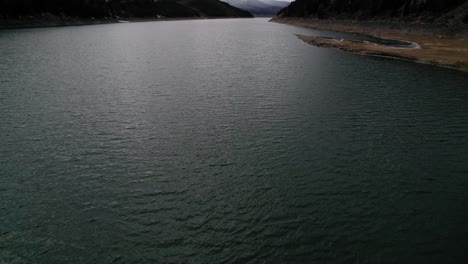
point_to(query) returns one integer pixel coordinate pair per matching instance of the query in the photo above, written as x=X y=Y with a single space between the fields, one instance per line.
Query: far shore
x=63 y=22
x=447 y=47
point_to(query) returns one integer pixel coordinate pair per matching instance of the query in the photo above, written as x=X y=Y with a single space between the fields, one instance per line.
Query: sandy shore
x=436 y=45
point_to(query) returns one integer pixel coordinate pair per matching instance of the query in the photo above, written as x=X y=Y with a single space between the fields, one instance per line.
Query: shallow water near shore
x=225 y=141
x=391 y=42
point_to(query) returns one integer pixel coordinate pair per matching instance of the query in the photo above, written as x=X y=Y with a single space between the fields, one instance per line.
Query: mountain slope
x=215 y=8
x=119 y=8
x=259 y=7
x=439 y=11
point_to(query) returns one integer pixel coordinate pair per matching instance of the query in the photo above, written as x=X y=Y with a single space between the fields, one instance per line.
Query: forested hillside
x=445 y=11
x=118 y=8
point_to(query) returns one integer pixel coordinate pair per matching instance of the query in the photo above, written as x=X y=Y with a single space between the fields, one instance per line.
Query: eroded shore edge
x=436 y=46
x=65 y=22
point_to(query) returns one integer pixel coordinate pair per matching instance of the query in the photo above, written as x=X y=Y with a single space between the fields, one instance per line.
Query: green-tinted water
x=225 y=141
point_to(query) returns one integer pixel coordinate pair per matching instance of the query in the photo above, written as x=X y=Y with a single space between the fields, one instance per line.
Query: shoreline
x=449 y=50
x=6 y=24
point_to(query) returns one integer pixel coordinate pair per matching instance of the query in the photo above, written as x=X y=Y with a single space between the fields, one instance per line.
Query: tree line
x=368 y=8
x=82 y=8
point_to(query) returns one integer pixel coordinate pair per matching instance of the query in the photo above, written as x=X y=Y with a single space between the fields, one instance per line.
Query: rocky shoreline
x=64 y=22
x=51 y=22
x=436 y=44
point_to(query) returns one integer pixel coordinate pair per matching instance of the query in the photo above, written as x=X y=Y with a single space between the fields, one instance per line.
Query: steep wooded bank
x=21 y=9
x=447 y=12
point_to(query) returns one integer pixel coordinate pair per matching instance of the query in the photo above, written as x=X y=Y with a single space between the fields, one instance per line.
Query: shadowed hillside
x=259 y=7
x=436 y=11
x=12 y=9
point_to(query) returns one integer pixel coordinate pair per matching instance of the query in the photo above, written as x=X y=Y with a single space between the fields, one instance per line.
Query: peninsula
x=440 y=31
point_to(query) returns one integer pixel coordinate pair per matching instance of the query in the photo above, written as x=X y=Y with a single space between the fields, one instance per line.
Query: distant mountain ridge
x=438 y=11
x=259 y=7
x=12 y=9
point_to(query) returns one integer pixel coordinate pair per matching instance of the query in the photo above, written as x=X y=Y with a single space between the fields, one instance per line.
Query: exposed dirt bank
x=449 y=49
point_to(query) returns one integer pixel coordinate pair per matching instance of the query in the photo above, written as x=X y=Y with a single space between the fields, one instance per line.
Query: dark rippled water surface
x=225 y=141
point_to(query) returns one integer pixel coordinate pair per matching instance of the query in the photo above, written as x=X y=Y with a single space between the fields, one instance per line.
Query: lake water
x=225 y=141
